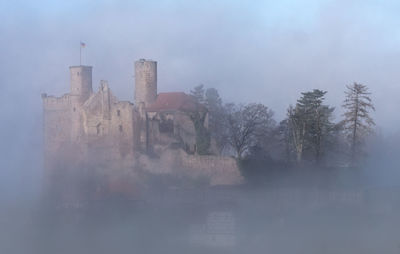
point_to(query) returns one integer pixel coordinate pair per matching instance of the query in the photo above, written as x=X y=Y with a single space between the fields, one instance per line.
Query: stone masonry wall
x=221 y=170
x=216 y=169
x=145 y=82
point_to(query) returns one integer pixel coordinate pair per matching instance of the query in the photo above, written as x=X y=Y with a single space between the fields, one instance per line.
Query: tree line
x=307 y=135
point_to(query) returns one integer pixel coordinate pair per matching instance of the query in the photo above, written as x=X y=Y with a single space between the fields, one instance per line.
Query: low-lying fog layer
x=298 y=212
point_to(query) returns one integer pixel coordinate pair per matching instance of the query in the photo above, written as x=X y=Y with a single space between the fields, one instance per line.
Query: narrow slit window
x=120 y=128
x=98 y=129
x=118 y=112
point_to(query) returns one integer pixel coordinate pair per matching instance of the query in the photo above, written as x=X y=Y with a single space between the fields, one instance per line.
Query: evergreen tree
x=357 y=120
x=310 y=124
x=198 y=93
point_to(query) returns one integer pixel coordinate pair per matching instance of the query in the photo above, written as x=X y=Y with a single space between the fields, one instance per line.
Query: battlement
x=80 y=66
x=56 y=103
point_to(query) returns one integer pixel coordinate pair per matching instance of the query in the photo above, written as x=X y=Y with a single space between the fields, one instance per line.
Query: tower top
x=145 y=60
x=81 y=66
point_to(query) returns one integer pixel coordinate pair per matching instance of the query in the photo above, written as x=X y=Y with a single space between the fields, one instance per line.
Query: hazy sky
x=251 y=51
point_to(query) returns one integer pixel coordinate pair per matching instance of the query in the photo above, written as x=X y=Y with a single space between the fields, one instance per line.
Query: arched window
x=118 y=112
x=120 y=128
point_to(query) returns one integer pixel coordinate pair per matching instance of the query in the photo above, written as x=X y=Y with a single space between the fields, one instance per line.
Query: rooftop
x=174 y=101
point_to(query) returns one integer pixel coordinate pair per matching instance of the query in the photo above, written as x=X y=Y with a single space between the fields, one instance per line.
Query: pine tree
x=198 y=93
x=357 y=120
x=309 y=124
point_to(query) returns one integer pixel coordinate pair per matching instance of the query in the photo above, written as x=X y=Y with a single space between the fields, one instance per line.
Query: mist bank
x=303 y=217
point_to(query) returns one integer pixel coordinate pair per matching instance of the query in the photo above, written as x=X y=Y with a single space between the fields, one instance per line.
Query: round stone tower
x=81 y=82
x=145 y=82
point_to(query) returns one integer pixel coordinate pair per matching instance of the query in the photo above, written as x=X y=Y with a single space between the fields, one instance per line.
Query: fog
x=263 y=51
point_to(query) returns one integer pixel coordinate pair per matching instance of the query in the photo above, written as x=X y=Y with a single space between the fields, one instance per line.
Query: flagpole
x=80 y=53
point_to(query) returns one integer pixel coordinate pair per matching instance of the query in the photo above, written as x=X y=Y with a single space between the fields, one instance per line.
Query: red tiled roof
x=173 y=102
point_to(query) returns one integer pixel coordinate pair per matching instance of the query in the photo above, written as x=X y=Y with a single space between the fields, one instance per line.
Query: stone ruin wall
x=184 y=128
x=61 y=154
x=181 y=130
x=216 y=170
x=57 y=126
x=222 y=170
x=109 y=128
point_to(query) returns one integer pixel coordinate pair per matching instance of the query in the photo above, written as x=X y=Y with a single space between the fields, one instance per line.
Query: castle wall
x=61 y=153
x=57 y=124
x=217 y=170
x=220 y=170
x=109 y=127
x=160 y=128
x=184 y=128
x=97 y=132
x=165 y=128
x=122 y=127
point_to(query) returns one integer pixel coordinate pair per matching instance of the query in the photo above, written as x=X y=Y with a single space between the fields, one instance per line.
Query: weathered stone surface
x=145 y=81
x=113 y=142
x=217 y=170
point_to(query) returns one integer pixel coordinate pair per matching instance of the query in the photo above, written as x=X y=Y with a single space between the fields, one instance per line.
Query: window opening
x=98 y=128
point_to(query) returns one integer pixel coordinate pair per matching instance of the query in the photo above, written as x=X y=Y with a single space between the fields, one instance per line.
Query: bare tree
x=357 y=120
x=284 y=139
x=245 y=124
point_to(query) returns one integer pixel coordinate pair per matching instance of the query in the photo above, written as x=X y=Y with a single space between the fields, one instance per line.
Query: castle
x=94 y=134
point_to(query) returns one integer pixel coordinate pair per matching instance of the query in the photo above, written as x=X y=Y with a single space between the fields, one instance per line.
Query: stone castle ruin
x=110 y=144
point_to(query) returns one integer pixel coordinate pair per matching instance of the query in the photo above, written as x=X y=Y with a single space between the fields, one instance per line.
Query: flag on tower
x=80 y=51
